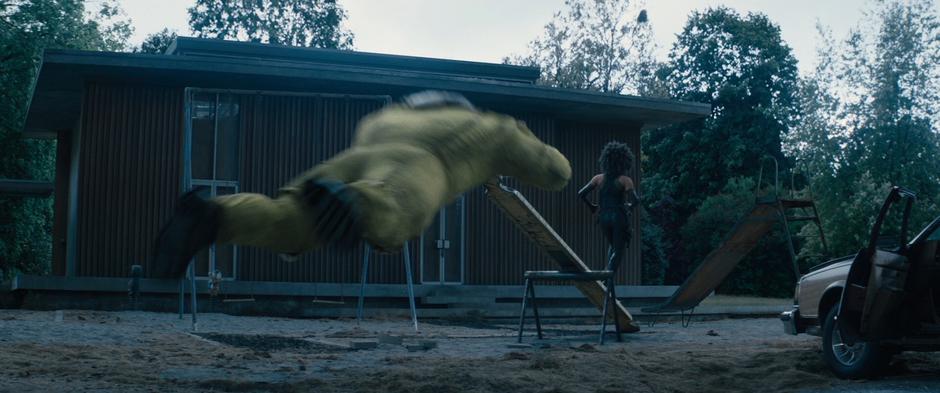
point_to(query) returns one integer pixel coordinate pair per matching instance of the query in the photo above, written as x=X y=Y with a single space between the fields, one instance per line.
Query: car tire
x=860 y=360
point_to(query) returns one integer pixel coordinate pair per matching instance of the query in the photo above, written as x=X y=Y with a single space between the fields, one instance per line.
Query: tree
x=741 y=66
x=308 y=23
x=112 y=26
x=29 y=27
x=157 y=43
x=870 y=120
x=607 y=46
x=603 y=45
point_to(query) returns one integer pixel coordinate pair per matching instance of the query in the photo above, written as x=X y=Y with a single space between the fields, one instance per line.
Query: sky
x=488 y=30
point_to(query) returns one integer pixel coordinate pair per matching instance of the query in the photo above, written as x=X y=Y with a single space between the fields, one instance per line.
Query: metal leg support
x=408 y=278
x=604 y=314
x=535 y=310
x=411 y=287
x=613 y=303
x=362 y=284
x=525 y=296
x=192 y=282
x=182 y=295
x=686 y=320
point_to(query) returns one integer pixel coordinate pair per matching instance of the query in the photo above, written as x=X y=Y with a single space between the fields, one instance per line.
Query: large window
x=213 y=164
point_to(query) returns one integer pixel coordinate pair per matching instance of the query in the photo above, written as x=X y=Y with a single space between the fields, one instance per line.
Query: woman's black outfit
x=613 y=217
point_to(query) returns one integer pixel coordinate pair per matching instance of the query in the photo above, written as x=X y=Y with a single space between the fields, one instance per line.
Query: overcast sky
x=488 y=30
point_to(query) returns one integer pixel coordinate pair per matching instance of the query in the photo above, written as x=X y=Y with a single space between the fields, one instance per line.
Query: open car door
x=871 y=305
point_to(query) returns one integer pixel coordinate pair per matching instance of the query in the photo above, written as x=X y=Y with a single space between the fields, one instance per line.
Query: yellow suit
x=403 y=165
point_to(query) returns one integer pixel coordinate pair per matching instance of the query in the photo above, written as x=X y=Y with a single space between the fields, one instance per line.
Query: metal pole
x=192 y=281
x=411 y=287
x=182 y=287
x=362 y=284
x=613 y=303
x=604 y=315
x=535 y=309
x=134 y=288
x=790 y=249
x=525 y=296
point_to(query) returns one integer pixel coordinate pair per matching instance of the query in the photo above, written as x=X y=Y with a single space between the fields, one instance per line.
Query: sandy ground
x=91 y=351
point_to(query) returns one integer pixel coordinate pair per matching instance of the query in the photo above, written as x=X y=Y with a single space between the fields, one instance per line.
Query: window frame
x=189 y=183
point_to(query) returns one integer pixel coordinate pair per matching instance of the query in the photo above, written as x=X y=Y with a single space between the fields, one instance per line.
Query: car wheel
x=859 y=360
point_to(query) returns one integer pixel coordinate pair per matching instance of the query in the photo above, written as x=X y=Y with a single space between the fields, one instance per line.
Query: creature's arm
x=526 y=158
x=585 y=191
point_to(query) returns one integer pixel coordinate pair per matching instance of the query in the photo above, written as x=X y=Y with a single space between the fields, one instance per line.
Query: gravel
x=142 y=351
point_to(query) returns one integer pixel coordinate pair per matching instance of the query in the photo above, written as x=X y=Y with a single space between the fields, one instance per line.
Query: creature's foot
x=334 y=206
x=194 y=226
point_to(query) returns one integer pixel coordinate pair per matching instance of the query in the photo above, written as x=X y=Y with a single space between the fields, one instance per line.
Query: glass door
x=442 y=246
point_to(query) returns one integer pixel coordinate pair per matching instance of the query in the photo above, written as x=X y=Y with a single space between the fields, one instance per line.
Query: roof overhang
x=203 y=47
x=57 y=95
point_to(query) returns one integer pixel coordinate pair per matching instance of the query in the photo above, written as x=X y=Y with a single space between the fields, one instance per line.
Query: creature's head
x=435 y=99
x=616 y=159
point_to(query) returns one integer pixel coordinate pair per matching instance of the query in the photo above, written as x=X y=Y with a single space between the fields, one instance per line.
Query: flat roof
x=56 y=100
x=189 y=46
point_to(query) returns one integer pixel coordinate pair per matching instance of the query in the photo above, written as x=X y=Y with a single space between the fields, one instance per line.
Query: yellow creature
x=406 y=162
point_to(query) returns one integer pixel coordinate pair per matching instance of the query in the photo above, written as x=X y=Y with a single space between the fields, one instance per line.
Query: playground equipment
x=768 y=210
x=406 y=255
x=530 y=222
x=605 y=276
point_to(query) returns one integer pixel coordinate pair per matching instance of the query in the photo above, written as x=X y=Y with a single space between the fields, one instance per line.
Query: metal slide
x=722 y=260
x=537 y=229
x=768 y=210
x=738 y=243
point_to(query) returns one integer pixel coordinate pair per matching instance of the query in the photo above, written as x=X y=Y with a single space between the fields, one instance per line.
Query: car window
x=935 y=235
x=889 y=239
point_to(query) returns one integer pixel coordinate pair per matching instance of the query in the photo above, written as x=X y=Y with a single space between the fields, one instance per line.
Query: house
x=134 y=131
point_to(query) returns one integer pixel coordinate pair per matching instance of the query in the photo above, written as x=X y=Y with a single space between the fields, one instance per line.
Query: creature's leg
x=284 y=224
x=395 y=190
x=194 y=226
x=297 y=221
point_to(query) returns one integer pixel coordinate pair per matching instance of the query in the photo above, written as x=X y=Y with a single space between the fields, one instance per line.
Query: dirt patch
x=564 y=370
x=269 y=343
x=239 y=386
x=141 y=352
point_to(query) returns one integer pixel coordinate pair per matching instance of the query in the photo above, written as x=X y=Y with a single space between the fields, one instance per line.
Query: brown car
x=893 y=299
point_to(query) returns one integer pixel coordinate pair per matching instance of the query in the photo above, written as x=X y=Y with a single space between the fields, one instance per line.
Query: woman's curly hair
x=616 y=159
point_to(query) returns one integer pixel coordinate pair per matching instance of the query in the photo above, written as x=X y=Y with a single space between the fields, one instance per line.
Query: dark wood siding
x=129 y=174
